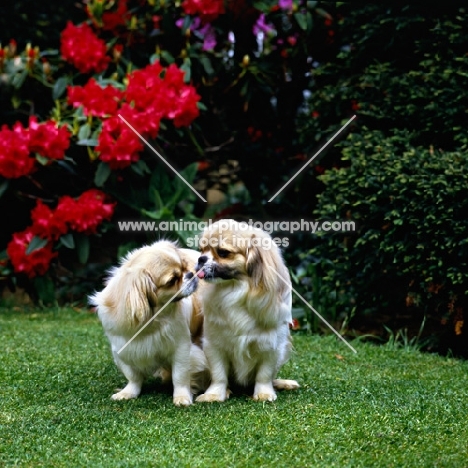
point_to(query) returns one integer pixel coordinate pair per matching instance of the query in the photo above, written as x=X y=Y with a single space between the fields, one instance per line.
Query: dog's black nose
x=188 y=275
x=202 y=260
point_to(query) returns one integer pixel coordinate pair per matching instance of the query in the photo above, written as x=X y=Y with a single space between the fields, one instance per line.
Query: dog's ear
x=140 y=297
x=259 y=263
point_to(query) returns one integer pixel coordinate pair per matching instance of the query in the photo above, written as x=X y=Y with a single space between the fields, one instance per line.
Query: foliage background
x=264 y=110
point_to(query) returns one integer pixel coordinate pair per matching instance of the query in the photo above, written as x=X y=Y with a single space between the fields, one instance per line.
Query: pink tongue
x=201 y=274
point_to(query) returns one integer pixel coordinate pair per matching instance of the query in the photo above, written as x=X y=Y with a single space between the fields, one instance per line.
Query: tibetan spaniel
x=247 y=310
x=153 y=320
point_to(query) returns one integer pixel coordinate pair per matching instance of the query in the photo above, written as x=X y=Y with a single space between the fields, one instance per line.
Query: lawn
x=380 y=407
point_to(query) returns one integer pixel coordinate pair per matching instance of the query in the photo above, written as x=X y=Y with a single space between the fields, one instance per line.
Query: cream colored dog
x=153 y=284
x=247 y=310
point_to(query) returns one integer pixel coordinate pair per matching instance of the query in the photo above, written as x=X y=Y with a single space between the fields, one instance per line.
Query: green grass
x=382 y=407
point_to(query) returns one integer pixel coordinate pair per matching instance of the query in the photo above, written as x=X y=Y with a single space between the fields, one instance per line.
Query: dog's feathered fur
x=135 y=292
x=247 y=310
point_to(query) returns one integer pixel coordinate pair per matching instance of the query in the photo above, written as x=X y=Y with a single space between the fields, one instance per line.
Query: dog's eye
x=223 y=253
x=172 y=281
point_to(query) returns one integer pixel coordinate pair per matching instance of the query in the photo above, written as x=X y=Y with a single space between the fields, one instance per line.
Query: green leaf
x=102 y=174
x=161 y=183
x=186 y=67
x=156 y=199
x=186 y=24
x=261 y=6
x=206 y=62
x=35 y=244
x=42 y=160
x=87 y=142
x=59 y=87
x=323 y=13
x=84 y=132
x=167 y=56
x=301 y=20
x=3 y=187
x=19 y=78
x=189 y=173
x=68 y=241
x=182 y=190
x=310 y=21
x=82 y=247
x=141 y=168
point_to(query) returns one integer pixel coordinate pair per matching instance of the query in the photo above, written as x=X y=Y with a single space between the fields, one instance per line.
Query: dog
x=247 y=310
x=153 y=291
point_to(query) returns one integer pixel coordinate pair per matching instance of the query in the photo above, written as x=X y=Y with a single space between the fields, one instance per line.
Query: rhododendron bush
x=201 y=81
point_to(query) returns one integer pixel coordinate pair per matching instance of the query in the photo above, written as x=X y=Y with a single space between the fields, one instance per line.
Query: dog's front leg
x=264 y=390
x=182 y=395
x=135 y=381
x=218 y=364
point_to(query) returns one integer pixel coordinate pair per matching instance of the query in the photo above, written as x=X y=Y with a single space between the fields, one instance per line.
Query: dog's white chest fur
x=148 y=351
x=232 y=323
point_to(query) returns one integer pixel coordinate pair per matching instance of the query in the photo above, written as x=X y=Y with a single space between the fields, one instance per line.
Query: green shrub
x=401 y=175
x=410 y=251
x=396 y=67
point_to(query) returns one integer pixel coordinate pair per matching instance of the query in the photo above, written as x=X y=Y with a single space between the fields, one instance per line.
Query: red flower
x=295 y=324
x=145 y=122
x=355 y=105
x=319 y=169
x=96 y=100
x=83 y=49
x=87 y=212
x=160 y=93
x=35 y=263
x=183 y=103
x=117 y=144
x=203 y=165
x=48 y=139
x=208 y=10
x=114 y=19
x=47 y=223
x=15 y=160
x=143 y=85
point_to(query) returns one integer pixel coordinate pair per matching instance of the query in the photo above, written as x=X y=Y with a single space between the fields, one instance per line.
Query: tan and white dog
x=247 y=310
x=154 y=283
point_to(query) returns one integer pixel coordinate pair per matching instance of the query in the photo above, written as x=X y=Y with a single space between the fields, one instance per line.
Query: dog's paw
x=211 y=397
x=264 y=392
x=284 y=384
x=123 y=395
x=264 y=396
x=182 y=401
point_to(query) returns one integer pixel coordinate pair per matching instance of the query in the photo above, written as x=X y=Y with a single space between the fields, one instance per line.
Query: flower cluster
x=83 y=214
x=161 y=93
x=15 y=160
x=202 y=30
x=153 y=93
x=46 y=139
x=112 y=20
x=96 y=100
x=83 y=49
x=35 y=263
x=118 y=145
x=207 y=10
